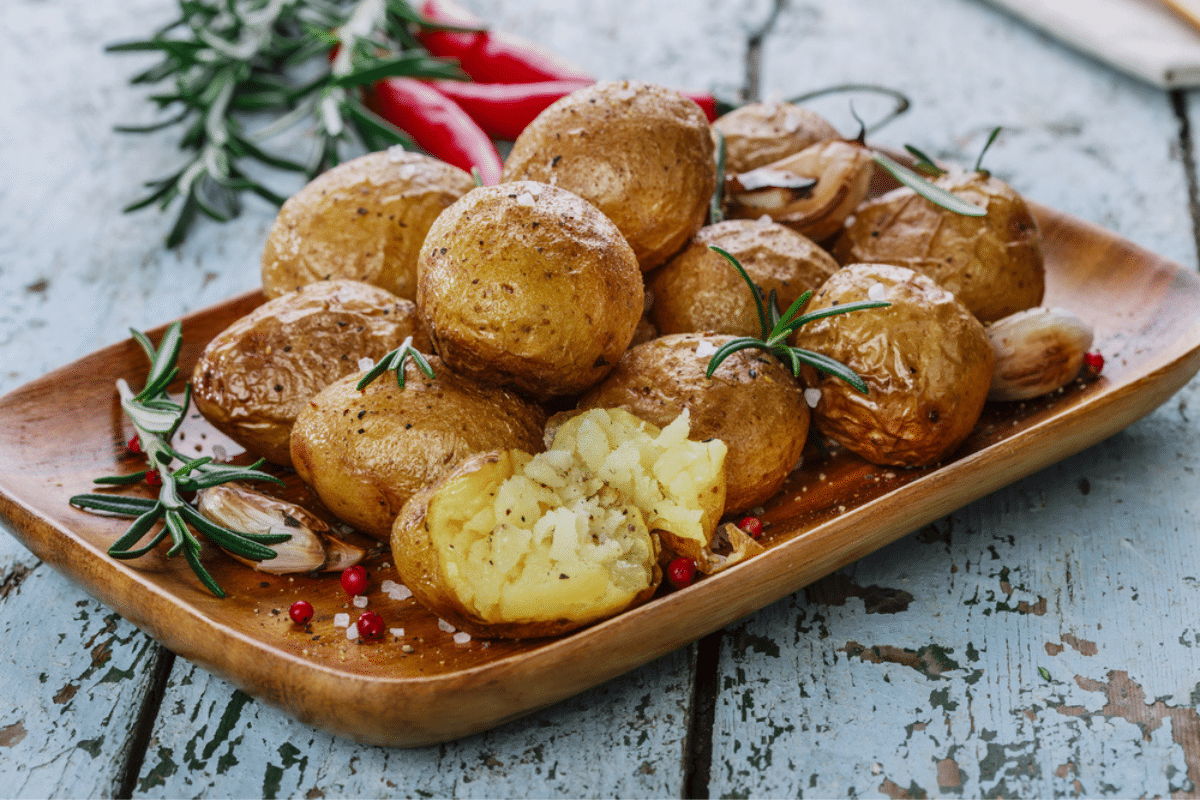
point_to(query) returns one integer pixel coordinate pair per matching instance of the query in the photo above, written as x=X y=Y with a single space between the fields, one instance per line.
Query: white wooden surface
x=1086 y=570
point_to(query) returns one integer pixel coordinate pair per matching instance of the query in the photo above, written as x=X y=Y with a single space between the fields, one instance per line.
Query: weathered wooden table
x=1041 y=641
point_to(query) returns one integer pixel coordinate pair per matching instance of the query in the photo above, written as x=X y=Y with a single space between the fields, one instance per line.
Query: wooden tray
x=61 y=431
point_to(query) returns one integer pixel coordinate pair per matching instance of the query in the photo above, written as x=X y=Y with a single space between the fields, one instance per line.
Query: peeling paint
x=931 y=660
x=11 y=735
x=1083 y=646
x=836 y=589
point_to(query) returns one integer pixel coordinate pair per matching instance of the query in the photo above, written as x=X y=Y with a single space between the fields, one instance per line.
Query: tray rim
x=1113 y=410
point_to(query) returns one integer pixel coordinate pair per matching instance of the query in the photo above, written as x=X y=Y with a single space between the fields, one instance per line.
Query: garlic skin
x=1037 y=351
x=242 y=509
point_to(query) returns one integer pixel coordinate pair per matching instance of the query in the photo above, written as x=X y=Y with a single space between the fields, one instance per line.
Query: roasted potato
x=925 y=359
x=528 y=285
x=698 y=290
x=640 y=153
x=993 y=264
x=254 y=377
x=365 y=453
x=758 y=133
x=364 y=220
x=514 y=545
x=752 y=403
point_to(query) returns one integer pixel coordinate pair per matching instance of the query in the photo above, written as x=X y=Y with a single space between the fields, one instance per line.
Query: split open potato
x=517 y=545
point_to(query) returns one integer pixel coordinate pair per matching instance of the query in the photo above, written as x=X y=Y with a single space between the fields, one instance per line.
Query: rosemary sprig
x=395 y=360
x=777 y=328
x=930 y=191
x=224 y=58
x=157 y=417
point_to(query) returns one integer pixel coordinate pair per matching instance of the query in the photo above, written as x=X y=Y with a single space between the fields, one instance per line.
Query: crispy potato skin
x=752 y=403
x=364 y=220
x=254 y=377
x=698 y=290
x=758 y=133
x=926 y=360
x=642 y=154
x=527 y=285
x=365 y=453
x=993 y=264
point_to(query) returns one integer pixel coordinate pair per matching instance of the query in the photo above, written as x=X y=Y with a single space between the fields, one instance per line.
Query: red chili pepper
x=707 y=103
x=492 y=56
x=504 y=109
x=438 y=125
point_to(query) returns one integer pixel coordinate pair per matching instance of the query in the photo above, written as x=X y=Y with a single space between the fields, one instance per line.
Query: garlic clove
x=340 y=554
x=1037 y=351
x=241 y=509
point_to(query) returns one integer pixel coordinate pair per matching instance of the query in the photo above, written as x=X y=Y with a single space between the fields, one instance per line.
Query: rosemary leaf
x=931 y=192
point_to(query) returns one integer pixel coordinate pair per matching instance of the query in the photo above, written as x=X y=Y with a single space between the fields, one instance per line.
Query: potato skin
x=698 y=290
x=364 y=220
x=641 y=153
x=993 y=264
x=752 y=403
x=254 y=377
x=365 y=453
x=527 y=285
x=926 y=360
x=758 y=133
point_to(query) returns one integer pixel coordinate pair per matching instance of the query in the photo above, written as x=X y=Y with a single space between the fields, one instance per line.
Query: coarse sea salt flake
x=397 y=632
x=401 y=592
x=765 y=218
x=407 y=171
x=462 y=637
x=446 y=626
x=388 y=585
x=360 y=601
x=365 y=363
x=524 y=199
x=812 y=397
x=396 y=152
x=705 y=348
x=341 y=620
x=219 y=453
x=877 y=291
x=352 y=632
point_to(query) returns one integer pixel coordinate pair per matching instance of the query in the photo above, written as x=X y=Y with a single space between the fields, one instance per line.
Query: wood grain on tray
x=835 y=509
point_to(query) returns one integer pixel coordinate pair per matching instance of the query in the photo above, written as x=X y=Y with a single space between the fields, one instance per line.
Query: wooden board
x=833 y=511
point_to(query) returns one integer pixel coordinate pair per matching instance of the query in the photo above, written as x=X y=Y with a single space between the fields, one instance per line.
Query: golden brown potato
x=785 y=190
x=254 y=377
x=925 y=359
x=752 y=403
x=364 y=220
x=365 y=453
x=758 y=133
x=514 y=545
x=528 y=285
x=993 y=264
x=698 y=290
x=640 y=153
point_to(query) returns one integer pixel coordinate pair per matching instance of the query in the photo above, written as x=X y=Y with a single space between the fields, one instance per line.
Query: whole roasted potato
x=514 y=545
x=642 y=154
x=365 y=453
x=698 y=290
x=752 y=403
x=926 y=360
x=364 y=220
x=812 y=191
x=758 y=133
x=993 y=264
x=254 y=377
x=528 y=285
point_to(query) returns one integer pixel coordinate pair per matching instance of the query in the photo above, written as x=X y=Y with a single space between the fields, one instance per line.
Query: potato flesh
x=566 y=534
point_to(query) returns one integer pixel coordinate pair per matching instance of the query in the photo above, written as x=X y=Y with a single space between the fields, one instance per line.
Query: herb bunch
x=224 y=59
x=395 y=361
x=777 y=328
x=157 y=417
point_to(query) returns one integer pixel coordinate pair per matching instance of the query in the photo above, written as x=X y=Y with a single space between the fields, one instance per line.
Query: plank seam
x=1188 y=152
x=139 y=740
x=698 y=747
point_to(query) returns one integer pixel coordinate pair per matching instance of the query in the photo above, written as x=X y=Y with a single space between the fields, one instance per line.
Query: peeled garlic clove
x=1037 y=351
x=812 y=191
x=240 y=509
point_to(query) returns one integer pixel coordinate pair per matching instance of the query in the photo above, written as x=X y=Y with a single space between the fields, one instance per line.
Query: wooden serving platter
x=60 y=432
